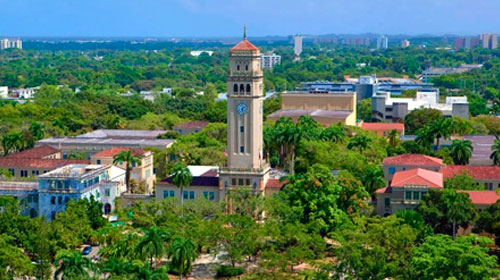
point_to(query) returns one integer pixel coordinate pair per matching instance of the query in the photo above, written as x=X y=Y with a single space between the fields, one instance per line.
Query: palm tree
x=130 y=159
x=37 y=132
x=334 y=133
x=359 y=141
x=373 y=179
x=441 y=128
x=495 y=156
x=425 y=137
x=393 y=138
x=72 y=264
x=182 y=254
x=152 y=244
x=181 y=177
x=293 y=135
x=12 y=141
x=459 y=208
x=461 y=151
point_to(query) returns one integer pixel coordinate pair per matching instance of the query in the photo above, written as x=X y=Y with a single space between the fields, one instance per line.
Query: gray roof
x=160 y=143
x=482 y=148
x=122 y=133
x=310 y=112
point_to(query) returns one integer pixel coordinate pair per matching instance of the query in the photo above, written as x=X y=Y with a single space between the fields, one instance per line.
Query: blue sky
x=204 y=18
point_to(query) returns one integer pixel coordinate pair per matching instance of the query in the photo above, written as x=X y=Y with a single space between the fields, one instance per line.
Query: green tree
x=152 y=244
x=393 y=138
x=130 y=159
x=441 y=128
x=71 y=265
x=495 y=155
x=182 y=254
x=364 y=110
x=359 y=141
x=333 y=133
x=13 y=263
x=181 y=177
x=419 y=118
x=12 y=141
x=461 y=151
x=459 y=208
x=373 y=179
x=489 y=220
x=37 y=132
x=462 y=181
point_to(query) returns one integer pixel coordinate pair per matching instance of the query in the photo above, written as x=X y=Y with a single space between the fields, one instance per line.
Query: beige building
x=326 y=108
x=190 y=127
x=403 y=162
x=485 y=175
x=143 y=172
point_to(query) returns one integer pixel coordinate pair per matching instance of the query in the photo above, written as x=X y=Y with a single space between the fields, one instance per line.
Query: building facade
x=382 y=42
x=489 y=41
x=466 y=43
x=297 y=45
x=6 y=43
x=190 y=127
x=269 y=60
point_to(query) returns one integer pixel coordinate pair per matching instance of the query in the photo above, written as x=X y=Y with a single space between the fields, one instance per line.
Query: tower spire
x=244 y=31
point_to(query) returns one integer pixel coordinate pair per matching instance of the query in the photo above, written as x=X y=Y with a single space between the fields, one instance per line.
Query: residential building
x=103 y=139
x=143 y=172
x=487 y=176
x=205 y=184
x=24 y=93
x=482 y=199
x=406 y=190
x=489 y=41
x=466 y=43
x=79 y=181
x=432 y=72
x=382 y=42
x=356 y=41
x=383 y=129
x=297 y=47
x=190 y=127
x=4 y=92
x=6 y=43
x=269 y=60
x=326 y=108
x=198 y=53
x=391 y=165
x=387 y=108
x=25 y=191
x=405 y=43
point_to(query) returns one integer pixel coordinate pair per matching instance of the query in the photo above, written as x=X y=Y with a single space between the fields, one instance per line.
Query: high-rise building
x=6 y=43
x=356 y=41
x=466 y=43
x=382 y=42
x=297 y=48
x=269 y=60
x=245 y=161
x=405 y=44
x=489 y=40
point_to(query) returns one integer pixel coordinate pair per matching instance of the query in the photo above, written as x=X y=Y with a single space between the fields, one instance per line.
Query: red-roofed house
x=393 y=164
x=406 y=190
x=482 y=199
x=143 y=172
x=42 y=152
x=190 y=127
x=383 y=129
x=487 y=175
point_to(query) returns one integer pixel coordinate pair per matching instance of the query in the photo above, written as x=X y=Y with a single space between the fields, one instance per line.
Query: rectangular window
x=172 y=193
x=53 y=200
x=247 y=182
x=242 y=129
x=133 y=164
x=107 y=192
x=66 y=200
x=408 y=195
x=59 y=200
x=191 y=195
x=98 y=161
x=242 y=149
x=205 y=194
x=212 y=196
x=185 y=195
x=148 y=173
x=416 y=195
x=165 y=194
x=234 y=181
x=392 y=170
x=240 y=182
x=387 y=201
x=35 y=198
x=30 y=199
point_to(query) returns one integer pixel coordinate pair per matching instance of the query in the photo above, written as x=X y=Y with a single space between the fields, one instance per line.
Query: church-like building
x=245 y=164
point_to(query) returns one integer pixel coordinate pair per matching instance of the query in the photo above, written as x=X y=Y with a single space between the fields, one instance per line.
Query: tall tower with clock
x=245 y=164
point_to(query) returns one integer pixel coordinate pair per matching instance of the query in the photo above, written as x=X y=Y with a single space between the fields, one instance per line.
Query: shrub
x=228 y=271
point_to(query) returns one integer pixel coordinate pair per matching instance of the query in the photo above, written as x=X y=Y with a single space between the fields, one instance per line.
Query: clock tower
x=245 y=164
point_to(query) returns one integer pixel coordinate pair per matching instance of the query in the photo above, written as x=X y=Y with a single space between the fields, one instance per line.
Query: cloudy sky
x=203 y=18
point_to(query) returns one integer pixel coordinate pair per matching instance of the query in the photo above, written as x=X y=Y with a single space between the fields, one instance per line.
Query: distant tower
x=382 y=42
x=297 y=48
x=245 y=164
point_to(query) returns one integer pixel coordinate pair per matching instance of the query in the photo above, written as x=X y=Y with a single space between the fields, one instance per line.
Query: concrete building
x=382 y=42
x=297 y=45
x=466 y=43
x=198 y=53
x=4 y=92
x=326 y=108
x=24 y=93
x=356 y=41
x=383 y=129
x=387 y=108
x=190 y=127
x=103 y=139
x=432 y=72
x=6 y=43
x=25 y=191
x=391 y=165
x=489 y=41
x=140 y=173
x=269 y=60
x=79 y=181
x=405 y=43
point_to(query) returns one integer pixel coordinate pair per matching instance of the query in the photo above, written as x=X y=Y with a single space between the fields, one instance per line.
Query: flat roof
x=76 y=171
x=107 y=141
x=122 y=133
x=310 y=112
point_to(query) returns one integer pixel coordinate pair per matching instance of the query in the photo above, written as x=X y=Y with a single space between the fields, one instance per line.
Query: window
x=247 y=182
x=235 y=88
x=242 y=149
x=185 y=195
x=98 y=161
x=387 y=201
x=242 y=88
x=165 y=194
x=53 y=200
x=191 y=195
x=408 y=195
x=205 y=194
x=238 y=67
x=107 y=192
x=242 y=129
x=416 y=195
x=30 y=199
x=133 y=164
x=172 y=193
x=246 y=67
x=248 y=88
x=66 y=200
x=35 y=198
x=392 y=170
x=12 y=171
x=234 y=181
x=212 y=196
x=98 y=194
x=148 y=173
x=240 y=182
x=59 y=200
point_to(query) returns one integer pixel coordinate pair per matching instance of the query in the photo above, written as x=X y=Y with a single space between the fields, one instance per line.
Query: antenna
x=244 y=31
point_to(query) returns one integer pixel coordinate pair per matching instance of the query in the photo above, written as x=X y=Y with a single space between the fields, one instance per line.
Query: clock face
x=242 y=108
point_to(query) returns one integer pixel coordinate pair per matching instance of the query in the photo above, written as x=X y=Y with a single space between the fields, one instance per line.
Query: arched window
x=248 y=88
x=235 y=88
x=242 y=88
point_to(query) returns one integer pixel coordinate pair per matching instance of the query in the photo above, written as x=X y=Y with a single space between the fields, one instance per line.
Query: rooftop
x=382 y=126
x=76 y=171
x=192 y=124
x=486 y=172
x=37 y=152
x=482 y=197
x=122 y=133
x=18 y=186
x=7 y=162
x=244 y=45
x=147 y=142
x=417 y=176
x=482 y=148
x=310 y=112
x=116 y=150
x=413 y=159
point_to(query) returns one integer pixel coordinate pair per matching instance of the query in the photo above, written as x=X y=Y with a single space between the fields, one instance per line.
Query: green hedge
x=229 y=271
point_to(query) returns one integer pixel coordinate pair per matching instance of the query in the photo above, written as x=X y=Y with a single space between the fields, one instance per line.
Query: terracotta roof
x=37 y=152
x=192 y=124
x=116 y=150
x=7 y=162
x=485 y=172
x=417 y=176
x=244 y=45
x=482 y=197
x=275 y=183
x=382 y=126
x=384 y=190
x=413 y=159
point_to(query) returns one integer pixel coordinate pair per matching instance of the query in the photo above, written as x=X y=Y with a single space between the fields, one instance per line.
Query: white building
x=198 y=53
x=297 y=48
x=405 y=44
x=4 y=92
x=387 y=108
x=6 y=43
x=382 y=42
x=269 y=60
x=24 y=93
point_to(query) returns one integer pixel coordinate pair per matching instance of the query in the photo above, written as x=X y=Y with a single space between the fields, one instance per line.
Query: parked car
x=86 y=250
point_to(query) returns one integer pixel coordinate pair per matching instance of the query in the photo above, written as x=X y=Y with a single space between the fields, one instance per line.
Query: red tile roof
x=275 y=183
x=384 y=190
x=116 y=150
x=413 y=159
x=192 y=124
x=485 y=172
x=8 y=162
x=482 y=197
x=382 y=126
x=244 y=45
x=417 y=176
x=37 y=152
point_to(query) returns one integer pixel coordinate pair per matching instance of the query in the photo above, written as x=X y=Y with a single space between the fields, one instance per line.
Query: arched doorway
x=107 y=208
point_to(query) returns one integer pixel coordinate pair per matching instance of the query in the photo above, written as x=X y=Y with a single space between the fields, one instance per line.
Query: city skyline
x=223 y=18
